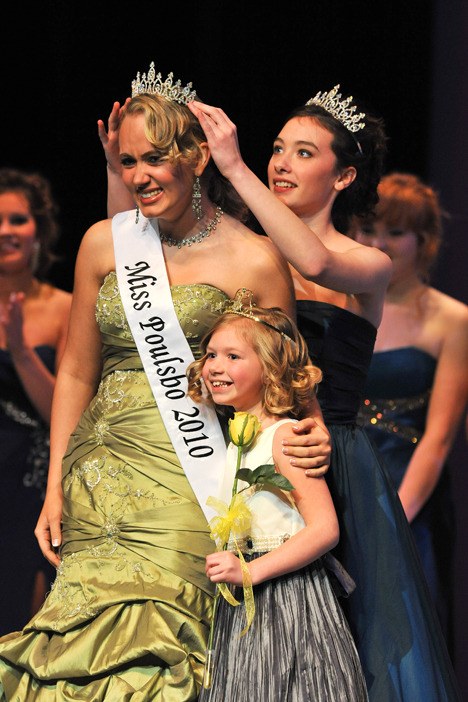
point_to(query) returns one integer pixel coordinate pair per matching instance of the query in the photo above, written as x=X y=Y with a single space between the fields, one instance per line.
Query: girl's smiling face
x=232 y=371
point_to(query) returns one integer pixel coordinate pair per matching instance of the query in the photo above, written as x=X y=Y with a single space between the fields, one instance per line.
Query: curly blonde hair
x=290 y=378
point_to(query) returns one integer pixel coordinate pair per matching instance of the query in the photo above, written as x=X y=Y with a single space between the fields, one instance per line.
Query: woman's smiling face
x=161 y=188
x=17 y=232
x=302 y=171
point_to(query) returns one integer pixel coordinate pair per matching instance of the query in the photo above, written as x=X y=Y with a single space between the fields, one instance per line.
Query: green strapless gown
x=129 y=612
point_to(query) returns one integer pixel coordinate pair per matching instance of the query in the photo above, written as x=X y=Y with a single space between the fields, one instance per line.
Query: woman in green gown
x=123 y=519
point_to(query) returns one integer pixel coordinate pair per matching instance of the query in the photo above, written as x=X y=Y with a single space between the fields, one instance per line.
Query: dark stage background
x=64 y=63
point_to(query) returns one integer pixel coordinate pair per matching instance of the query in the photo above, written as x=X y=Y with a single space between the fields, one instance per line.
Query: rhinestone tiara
x=340 y=110
x=153 y=83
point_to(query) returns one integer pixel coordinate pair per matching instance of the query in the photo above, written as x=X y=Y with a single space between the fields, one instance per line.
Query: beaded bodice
x=197 y=307
x=397 y=392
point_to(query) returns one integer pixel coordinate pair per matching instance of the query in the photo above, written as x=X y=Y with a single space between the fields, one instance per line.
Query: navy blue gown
x=393 y=414
x=24 y=462
x=392 y=617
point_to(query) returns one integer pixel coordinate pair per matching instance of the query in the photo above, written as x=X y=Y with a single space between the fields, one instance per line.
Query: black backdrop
x=63 y=63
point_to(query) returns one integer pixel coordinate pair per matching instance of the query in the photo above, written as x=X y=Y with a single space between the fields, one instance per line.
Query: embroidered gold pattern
x=112 y=488
x=69 y=595
x=109 y=308
x=101 y=429
x=119 y=390
x=90 y=472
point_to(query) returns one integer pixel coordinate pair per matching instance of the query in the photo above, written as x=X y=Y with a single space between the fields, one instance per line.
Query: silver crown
x=340 y=110
x=153 y=83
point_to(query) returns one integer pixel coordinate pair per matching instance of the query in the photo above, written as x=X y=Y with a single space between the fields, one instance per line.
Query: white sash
x=165 y=353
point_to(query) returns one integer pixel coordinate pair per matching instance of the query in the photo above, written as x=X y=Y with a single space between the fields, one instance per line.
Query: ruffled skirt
x=299 y=647
x=128 y=615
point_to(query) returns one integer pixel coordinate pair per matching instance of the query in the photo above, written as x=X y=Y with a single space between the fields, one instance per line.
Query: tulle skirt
x=391 y=613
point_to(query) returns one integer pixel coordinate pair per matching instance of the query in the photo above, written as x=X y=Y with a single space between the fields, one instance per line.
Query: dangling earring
x=137 y=214
x=196 y=199
x=35 y=254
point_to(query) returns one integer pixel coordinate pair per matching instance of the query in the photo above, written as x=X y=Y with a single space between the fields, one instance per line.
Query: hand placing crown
x=153 y=83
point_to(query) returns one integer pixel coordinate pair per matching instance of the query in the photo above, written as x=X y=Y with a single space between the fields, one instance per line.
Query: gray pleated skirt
x=298 y=649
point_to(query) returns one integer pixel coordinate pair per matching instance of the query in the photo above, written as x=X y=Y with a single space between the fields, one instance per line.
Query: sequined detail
x=90 y=472
x=381 y=414
x=258 y=544
x=101 y=429
x=109 y=307
x=113 y=393
x=39 y=446
x=188 y=298
x=189 y=302
x=18 y=415
x=110 y=487
x=110 y=529
x=69 y=596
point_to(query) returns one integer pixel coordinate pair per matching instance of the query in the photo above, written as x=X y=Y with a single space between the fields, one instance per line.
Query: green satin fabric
x=128 y=614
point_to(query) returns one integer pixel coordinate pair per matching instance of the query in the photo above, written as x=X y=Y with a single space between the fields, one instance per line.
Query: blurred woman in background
x=417 y=386
x=33 y=329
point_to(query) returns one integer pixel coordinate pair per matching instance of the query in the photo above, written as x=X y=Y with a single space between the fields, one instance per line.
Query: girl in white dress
x=299 y=646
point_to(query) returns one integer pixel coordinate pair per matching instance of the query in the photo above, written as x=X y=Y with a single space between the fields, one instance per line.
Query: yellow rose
x=243 y=428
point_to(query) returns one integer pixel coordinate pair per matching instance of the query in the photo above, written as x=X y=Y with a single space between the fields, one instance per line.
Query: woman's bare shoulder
x=55 y=295
x=238 y=231
x=244 y=244
x=96 y=251
x=98 y=234
x=448 y=309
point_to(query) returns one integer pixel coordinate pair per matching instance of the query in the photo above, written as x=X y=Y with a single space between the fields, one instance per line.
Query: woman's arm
x=76 y=384
x=320 y=534
x=118 y=197
x=447 y=406
x=309 y=444
x=356 y=271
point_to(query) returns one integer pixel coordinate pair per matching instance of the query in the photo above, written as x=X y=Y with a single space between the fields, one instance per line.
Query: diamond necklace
x=196 y=238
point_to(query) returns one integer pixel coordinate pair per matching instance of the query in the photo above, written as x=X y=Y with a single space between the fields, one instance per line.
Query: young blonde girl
x=299 y=646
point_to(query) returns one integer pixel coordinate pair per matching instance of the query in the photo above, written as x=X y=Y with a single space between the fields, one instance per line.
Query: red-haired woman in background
x=417 y=386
